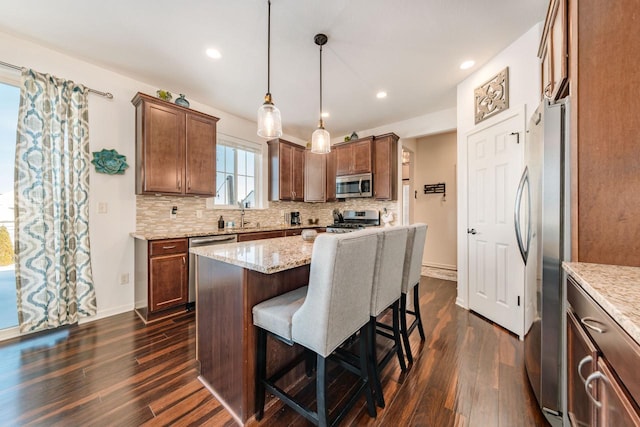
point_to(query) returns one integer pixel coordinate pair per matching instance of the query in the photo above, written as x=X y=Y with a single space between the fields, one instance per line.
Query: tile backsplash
x=153 y=212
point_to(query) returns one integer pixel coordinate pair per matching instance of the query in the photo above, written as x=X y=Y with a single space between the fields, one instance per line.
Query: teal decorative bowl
x=109 y=162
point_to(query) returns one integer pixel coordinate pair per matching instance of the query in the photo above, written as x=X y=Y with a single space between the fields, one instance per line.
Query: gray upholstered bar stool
x=386 y=293
x=320 y=317
x=411 y=280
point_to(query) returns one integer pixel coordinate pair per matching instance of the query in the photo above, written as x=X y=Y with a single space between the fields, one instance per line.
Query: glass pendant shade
x=320 y=138
x=320 y=141
x=269 y=121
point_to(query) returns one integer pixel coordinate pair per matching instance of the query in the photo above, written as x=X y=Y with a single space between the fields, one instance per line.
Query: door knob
x=471 y=231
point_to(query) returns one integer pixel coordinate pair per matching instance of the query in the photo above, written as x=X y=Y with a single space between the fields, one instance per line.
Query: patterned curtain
x=53 y=265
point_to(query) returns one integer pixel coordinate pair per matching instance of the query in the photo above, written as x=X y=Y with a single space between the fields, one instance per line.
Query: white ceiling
x=410 y=48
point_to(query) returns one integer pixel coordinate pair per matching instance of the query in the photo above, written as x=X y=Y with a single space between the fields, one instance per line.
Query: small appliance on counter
x=295 y=218
x=354 y=220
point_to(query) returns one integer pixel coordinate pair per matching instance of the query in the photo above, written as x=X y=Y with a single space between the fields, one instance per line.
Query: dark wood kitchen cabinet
x=354 y=157
x=320 y=177
x=385 y=170
x=175 y=149
x=604 y=104
x=162 y=277
x=315 y=177
x=554 y=52
x=286 y=170
x=603 y=382
x=331 y=176
x=581 y=360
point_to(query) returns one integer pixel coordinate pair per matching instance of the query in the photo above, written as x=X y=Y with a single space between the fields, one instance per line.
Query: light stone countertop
x=615 y=288
x=211 y=231
x=265 y=256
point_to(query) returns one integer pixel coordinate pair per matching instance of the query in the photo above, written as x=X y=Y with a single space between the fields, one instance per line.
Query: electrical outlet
x=124 y=278
x=173 y=212
x=198 y=213
x=103 y=207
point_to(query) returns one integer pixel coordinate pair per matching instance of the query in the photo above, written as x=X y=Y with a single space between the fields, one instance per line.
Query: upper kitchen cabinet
x=354 y=157
x=320 y=177
x=554 y=52
x=604 y=81
x=385 y=171
x=286 y=170
x=175 y=149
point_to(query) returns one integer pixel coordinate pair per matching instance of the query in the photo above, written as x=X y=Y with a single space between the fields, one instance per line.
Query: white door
x=496 y=269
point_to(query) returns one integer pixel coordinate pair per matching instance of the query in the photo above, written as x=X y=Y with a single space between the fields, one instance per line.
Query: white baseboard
x=460 y=303
x=107 y=313
x=9 y=333
x=442 y=266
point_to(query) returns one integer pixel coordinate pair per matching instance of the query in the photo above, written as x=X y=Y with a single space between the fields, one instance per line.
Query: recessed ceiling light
x=467 y=64
x=325 y=114
x=214 y=53
x=382 y=94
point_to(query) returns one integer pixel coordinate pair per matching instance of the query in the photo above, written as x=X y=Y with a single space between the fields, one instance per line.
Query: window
x=9 y=103
x=237 y=173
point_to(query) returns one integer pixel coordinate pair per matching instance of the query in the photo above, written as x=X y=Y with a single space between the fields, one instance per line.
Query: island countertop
x=181 y=232
x=615 y=288
x=264 y=256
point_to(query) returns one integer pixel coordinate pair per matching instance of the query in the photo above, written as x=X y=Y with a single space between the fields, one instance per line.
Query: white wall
x=436 y=160
x=111 y=126
x=524 y=90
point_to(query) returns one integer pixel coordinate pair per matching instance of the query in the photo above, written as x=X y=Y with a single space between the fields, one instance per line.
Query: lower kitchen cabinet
x=581 y=358
x=602 y=361
x=162 y=277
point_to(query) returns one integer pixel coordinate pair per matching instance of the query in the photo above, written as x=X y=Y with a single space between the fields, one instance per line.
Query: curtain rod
x=108 y=95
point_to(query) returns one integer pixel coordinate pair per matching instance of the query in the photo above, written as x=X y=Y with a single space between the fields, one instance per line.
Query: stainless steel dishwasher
x=195 y=242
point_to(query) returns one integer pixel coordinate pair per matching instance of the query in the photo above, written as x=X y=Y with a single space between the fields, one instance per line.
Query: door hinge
x=518 y=300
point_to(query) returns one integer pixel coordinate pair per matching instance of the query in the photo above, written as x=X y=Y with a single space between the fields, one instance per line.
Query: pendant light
x=320 y=140
x=269 y=122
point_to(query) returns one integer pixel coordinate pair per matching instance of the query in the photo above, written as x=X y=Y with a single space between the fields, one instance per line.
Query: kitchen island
x=231 y=279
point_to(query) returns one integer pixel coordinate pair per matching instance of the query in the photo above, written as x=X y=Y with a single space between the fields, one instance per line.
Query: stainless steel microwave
x=354 y=186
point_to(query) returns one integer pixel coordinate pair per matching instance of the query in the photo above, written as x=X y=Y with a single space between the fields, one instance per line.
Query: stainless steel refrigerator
x=543 y=235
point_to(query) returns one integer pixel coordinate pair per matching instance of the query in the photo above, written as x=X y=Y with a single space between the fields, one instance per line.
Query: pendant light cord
x=269 y=49
x=321 y=121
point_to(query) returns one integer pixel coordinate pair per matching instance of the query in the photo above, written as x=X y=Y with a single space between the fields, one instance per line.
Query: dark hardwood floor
x=117 y=371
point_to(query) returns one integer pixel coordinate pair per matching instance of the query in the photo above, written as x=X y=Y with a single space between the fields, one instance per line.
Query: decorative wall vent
x=492 y=97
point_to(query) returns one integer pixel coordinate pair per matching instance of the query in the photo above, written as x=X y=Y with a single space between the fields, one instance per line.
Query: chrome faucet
x=242 y=221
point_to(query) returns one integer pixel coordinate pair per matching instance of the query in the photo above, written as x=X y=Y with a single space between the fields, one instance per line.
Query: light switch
x=103 y=207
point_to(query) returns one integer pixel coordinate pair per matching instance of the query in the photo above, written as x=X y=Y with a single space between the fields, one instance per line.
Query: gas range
x=355 y=220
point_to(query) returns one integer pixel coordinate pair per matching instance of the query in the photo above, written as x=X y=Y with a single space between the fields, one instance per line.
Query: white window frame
x=12 y=78
x=242 y=144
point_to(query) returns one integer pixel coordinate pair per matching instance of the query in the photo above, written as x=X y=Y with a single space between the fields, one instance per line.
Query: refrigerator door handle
x=524 y=181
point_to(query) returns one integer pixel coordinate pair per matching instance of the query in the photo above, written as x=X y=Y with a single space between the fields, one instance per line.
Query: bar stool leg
x=366 y=331
x=261 y=372
x=403 y=327
x=396 y=335
x=416 y=308
x=309 y=359
x=321 y=392
x=373 y=362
